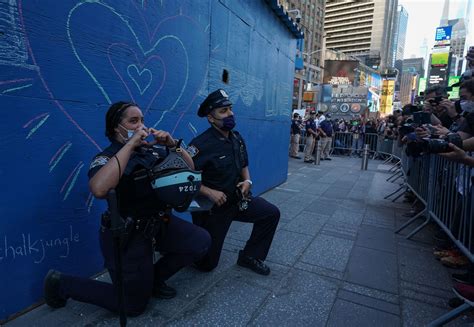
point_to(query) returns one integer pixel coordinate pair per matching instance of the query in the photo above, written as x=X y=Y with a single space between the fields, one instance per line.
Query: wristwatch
x=248 y=181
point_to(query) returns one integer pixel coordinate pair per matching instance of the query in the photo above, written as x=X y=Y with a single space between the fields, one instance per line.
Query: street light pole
x=308 y=74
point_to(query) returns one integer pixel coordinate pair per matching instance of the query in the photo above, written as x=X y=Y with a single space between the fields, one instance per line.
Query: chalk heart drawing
x=141 y=78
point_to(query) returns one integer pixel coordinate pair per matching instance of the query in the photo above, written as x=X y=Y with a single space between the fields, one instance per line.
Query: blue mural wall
x=61 y=65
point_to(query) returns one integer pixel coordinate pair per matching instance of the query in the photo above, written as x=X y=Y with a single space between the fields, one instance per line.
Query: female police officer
x=181 y=243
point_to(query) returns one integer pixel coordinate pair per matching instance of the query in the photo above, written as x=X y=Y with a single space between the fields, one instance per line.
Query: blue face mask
x=228 y=123
x=130 y=132
x=467 y=106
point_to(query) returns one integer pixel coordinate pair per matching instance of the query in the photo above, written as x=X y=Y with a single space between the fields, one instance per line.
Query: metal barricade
x=452 y=202
x=341 y=143
x=446 y=190
x=384 y=148
x=372 y=140
x=397 y=150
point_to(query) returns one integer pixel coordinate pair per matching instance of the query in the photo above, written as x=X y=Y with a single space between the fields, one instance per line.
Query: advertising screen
x=443 y=33
x=454 y=93
x=438 y=76
x=440 y=59
x=386 y=98
x=348 y=100
x=422 y=85
x=339 y=72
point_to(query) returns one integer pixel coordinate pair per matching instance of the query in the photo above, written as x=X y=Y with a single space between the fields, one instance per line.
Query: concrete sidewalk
x=335 y=261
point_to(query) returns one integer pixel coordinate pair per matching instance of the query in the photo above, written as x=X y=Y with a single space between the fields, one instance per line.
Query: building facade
x=400 y=31
x=312 y=22
x=458 y=45
x=362 y=29
x=412 y=71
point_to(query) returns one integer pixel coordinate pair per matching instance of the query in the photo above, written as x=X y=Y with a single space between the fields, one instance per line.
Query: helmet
x=174 y=182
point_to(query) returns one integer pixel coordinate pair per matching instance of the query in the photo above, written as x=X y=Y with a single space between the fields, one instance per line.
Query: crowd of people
x=319 y=126
x=433 y=124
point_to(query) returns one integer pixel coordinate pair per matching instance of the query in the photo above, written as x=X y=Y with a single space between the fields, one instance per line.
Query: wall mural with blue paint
x=62 y=63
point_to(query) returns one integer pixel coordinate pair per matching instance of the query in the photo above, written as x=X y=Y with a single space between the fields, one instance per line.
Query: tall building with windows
x=458 y=45
x=459 y=33
x=312 y=22
x=363 y=29
x=400 y=33
x=412 y=71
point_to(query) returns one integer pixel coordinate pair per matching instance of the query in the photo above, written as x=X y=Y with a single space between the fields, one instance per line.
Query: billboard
x=299 y=54
x=438 y=76
x=386 y=96
x=344 y=100
x=340 y=72
x=443 y=33
x=454 y=93
x=422 y=85
x=440 y=56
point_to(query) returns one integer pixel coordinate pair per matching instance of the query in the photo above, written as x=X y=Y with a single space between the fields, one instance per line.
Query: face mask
x=467 y=106
x=130 y=133
x=228 y=123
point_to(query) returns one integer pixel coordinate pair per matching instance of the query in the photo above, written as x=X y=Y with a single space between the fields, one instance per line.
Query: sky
x=423 y=18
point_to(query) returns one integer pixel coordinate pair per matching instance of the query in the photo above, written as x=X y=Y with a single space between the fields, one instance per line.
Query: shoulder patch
x=192 y=150
x=99 y=161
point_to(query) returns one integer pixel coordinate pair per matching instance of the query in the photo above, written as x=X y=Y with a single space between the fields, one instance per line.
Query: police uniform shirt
x=310 y=123
x=135 y=199
x=220 y=159
x=295 y=127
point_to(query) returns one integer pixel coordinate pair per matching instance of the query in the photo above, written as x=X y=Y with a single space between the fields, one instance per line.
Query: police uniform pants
x=260 y=212
x=308 y=152
x=294 y=144
x=325 y=146
x=182 y=244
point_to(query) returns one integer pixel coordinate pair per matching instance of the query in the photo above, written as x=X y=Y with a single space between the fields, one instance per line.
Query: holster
x=151 y=227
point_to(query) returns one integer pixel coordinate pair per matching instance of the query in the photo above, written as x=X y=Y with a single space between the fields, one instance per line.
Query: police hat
x=216 y=99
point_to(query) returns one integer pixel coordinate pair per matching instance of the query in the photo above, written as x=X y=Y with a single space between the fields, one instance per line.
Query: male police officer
x=221 y=154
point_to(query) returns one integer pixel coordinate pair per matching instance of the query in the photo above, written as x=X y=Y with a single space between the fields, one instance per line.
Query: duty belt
x=149 y=226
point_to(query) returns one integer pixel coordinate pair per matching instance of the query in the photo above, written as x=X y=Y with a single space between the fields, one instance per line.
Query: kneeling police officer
x=220 y=153
x=122 y=166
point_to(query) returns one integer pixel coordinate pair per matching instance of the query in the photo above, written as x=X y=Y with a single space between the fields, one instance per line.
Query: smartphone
x=421 y=118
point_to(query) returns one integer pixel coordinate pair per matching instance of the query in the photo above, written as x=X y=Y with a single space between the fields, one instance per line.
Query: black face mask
x=228 y=123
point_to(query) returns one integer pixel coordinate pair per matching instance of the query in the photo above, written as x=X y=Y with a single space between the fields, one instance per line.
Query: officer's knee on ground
x=201 y=243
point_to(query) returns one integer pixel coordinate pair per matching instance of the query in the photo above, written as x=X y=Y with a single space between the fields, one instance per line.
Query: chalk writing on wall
x=27 y=245
x=13 y=51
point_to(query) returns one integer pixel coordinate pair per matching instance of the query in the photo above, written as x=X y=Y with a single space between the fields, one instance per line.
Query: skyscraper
x=458 y=45
x=459 y=32
x=400 y=33
x=445 y=14
x=362 y=29
x=410 y=74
